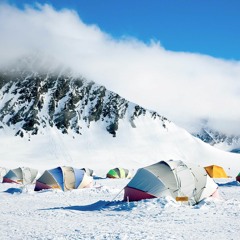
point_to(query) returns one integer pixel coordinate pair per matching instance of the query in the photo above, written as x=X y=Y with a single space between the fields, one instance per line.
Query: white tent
x=24 y=175
x=3 y=172
x=183 y=182
x=88 y=171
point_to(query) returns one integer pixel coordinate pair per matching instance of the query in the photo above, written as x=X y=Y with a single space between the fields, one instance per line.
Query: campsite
x=102 y=210
x=95 y=213
x=99 y=212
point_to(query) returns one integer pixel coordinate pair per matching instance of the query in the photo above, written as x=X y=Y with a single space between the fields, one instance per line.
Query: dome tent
x=119 y=173
x=215 y=171
x=88 y=171
x=64 y=178
x=238 y=177
x=3 y=172
x=24 y=175
x=188 y=182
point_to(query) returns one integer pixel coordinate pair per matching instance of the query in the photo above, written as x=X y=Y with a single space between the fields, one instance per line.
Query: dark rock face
x=30 y=101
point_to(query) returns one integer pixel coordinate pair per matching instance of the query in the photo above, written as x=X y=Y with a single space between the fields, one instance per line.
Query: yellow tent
x=215 y=171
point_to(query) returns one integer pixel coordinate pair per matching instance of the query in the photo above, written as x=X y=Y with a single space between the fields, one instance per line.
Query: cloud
x=184 y=87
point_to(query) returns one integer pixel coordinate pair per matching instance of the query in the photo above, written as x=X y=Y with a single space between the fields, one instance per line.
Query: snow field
x=99 y=213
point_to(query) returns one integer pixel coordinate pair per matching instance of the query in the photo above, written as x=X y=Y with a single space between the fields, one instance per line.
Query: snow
x=132 y=148
x=99 y=213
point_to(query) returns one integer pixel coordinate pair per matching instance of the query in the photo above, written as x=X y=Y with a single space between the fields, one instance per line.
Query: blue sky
x=209 y=27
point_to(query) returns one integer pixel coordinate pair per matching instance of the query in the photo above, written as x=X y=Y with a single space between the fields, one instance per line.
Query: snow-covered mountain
x=220 y=140
x=50 y=118
x=31 y=101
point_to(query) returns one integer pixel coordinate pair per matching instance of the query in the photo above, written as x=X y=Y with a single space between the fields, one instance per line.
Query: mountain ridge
x=32 y=99
x=219 y=140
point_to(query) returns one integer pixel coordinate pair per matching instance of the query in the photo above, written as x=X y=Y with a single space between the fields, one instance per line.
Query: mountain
x=53 y=117
x=220 y=140
x=32 y=101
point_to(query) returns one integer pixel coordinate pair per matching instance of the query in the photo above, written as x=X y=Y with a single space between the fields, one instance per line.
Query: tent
x=189 y=183
x=64 y=178
x=88 y=171
x=119 y=173
x=24 y=175
x=215 y=171
x=3 y=172
x=238 y=177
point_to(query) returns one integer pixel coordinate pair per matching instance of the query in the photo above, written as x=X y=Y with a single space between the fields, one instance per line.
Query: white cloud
x=184 y=87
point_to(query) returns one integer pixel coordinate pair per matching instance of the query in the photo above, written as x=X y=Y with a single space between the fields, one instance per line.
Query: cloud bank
x=184 y=87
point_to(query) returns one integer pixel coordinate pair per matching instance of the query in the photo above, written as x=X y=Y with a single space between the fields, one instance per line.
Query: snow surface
x=99 y=213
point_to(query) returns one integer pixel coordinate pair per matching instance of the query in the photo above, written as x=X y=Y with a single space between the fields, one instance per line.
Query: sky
x=179 y=58
x=207 y=26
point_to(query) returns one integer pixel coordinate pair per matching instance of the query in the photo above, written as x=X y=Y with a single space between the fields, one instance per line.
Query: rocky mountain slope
x=29 y=101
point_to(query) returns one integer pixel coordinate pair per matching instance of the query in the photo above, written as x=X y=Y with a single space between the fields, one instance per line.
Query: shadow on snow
x=99 y=206
x=13 y=190
x=229 y=184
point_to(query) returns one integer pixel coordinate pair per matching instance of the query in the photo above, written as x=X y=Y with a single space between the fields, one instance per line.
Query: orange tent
x=215 y=171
